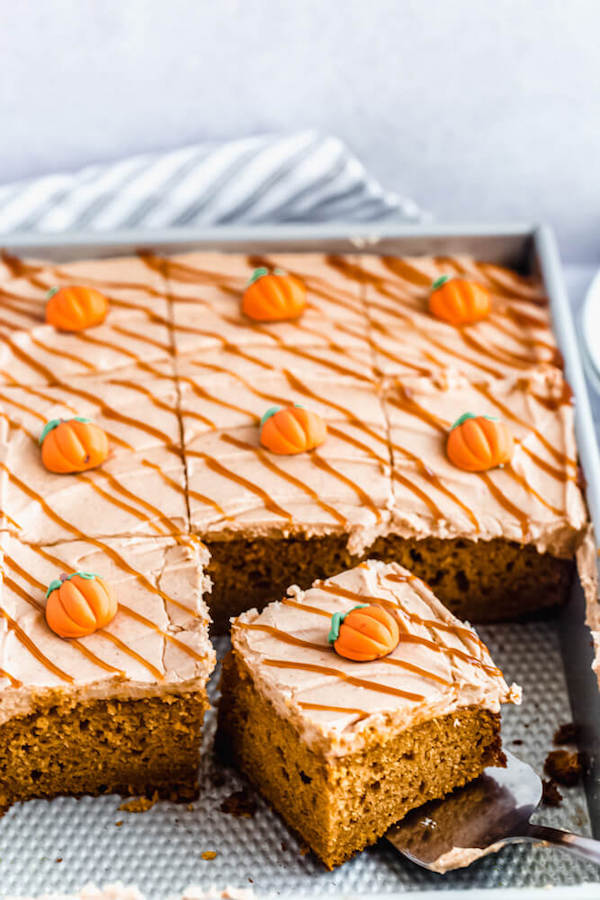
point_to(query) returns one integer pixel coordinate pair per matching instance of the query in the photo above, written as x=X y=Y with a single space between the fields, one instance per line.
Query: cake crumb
x=190 y=807
x=569 y=733
x=209 y=854
x=304 y=849
x=58 y=859
x=240 y=804
x=119 y=823
x=139 y=804
x=564 y=767
x=551 y=796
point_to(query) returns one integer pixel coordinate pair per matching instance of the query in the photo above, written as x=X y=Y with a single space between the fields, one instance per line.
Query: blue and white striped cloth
x=302 y=177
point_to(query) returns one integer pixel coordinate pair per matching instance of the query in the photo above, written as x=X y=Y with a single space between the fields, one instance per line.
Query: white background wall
x=481 y=109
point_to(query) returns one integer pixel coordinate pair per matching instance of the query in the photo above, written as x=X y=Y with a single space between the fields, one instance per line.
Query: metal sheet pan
x=64 y=843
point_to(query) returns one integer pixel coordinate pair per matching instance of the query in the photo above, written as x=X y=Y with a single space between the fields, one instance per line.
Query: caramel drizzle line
x=17 y=589
x=134 y=615
x=14 y=681
x=33 y=648
x=517 y=287
x=273 y=467
x=435 y=480
x=526 y=341
x=216 y=466
x=286 y=638
x=351 y=679
x=321 y=707
x=114 y=482
x=509 y=414
x=116 y=557
x=362 y=495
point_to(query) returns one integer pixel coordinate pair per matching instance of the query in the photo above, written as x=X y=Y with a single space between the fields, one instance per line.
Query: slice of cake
x=135 y=333
x=497 y=543
x=140 y=487
x=345 y=724
x=120 y=709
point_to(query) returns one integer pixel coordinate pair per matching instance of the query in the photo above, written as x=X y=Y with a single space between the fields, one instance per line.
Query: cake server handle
x=584 y=847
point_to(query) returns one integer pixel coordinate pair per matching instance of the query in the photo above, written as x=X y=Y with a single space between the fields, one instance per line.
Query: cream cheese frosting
x=136 y=332
x=336 y=705
x=157 y=644
x=140 y=489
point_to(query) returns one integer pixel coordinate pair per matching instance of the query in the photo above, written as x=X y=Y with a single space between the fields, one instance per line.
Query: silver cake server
x=482 y=818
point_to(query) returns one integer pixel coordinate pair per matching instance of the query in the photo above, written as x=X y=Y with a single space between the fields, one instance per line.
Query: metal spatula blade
x=482 y=818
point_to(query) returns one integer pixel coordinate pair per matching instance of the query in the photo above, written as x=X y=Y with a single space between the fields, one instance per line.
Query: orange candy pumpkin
x=273 y=296
x=459 y=301
x=75 y=308
x=73 y=445
x=365 y=633
x=291 y=430
x=79 y=604
x=477 y=443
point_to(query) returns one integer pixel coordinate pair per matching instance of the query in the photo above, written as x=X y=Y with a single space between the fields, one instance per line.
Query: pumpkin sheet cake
x=345 y=727
x=245 y=423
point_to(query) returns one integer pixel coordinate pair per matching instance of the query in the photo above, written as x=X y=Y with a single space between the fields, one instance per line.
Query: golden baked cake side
x=120 y=709
x=344 y=748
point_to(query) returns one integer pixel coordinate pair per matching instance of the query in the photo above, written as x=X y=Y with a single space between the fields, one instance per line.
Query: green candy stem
x=258 y=273
x=54 y=423
x=275 y=409
x=54 y=585
x=270 y=412
x=52 y=292
x=439 y=282
x=469 y=415
x=336 y=622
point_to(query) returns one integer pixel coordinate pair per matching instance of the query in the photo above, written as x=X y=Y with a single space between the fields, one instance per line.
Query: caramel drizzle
x=35 y=651
x=506 y=411
x=216 y=466
x=277 y=470
x=323 y=707
x=287 y=638
x=14 y=681
x=351 y=679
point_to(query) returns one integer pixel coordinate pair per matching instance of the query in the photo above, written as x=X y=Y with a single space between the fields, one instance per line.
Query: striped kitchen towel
x=302 y=177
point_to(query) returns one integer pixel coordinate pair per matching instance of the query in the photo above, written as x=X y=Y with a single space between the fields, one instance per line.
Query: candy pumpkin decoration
x=75 y=308
x=477 y=443
x=459 y=301
x=73 y=445
x=365 y=633
x=273 y=296
x=79 y=604
x=291 y=430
